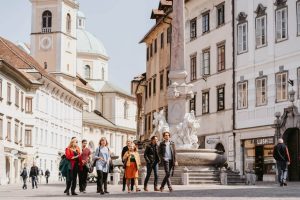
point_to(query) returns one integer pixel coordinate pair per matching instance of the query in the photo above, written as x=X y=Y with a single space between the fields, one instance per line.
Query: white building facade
x=267 y=60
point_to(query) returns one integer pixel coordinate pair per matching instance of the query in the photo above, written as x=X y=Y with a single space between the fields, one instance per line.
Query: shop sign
x=263 y=141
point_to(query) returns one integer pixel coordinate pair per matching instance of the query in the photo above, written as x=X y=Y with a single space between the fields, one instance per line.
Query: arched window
x=47 y=21
x=87 y=71
x=68 y=25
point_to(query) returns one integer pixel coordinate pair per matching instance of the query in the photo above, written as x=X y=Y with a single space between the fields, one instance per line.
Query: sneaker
x=284 y=184
x=161 y=189
x=171 y=189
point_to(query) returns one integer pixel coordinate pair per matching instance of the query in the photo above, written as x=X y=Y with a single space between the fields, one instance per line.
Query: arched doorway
x=7 y=165
x=291 y=138
x=220 y=148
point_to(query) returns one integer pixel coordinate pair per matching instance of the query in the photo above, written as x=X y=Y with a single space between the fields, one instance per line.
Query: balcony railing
x=46 y=30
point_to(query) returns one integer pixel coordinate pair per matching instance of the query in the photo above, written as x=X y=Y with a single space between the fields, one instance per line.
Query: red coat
x=70 y=154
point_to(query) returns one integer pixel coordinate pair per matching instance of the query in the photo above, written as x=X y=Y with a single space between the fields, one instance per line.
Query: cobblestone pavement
x=205 y=192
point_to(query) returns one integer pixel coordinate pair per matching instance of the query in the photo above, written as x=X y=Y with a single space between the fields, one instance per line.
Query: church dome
x=88 y=43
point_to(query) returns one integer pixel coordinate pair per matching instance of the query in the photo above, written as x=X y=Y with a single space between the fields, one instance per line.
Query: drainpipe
x=233 y=79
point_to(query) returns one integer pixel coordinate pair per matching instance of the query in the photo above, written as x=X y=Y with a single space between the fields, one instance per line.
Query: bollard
x=223 y=176
x=144 y=174
x=116 y=176
x=185 y=176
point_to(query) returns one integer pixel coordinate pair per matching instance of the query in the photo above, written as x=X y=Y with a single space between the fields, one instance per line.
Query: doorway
x=7 y=166
x=291 y=138
x=259 y=162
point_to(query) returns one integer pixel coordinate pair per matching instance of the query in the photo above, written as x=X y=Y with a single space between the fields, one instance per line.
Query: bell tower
x=53 y=38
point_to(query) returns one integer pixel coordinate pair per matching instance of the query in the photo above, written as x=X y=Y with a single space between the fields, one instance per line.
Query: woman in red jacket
x=73 y=155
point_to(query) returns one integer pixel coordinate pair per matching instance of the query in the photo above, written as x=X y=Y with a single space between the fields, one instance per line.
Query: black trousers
x=101 y=180
x=150 y=167
x=72 y=179
x=167 y=167
x=34 y=181
x=124 y=182
x=83 y=179
x=24 y=183
x=47 y=179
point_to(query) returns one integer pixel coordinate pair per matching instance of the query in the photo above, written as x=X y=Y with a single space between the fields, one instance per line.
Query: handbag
x=95 y=161
x=111 y=166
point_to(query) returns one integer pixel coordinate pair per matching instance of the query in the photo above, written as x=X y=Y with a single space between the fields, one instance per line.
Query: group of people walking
x=79 y=162
x=35 y=174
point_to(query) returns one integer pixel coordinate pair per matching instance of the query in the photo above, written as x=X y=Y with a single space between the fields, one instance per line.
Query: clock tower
x=53 y=38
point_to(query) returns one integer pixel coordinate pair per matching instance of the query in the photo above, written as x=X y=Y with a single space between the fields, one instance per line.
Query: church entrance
x=291 y=138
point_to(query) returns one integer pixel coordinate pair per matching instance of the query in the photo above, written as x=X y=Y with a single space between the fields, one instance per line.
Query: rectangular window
x=242 y=95
x=145 y=123
x=28 y=105
x=205 y=22
x=193 y=28
x=221 y=57
x=16 y=133
x=148 y=53
x=151 y=50
x=261 y=91
x=298 y=17
x=149 y=121
x=261 y=31
x=221 y=14
x=22 y=101
x=193 y=67
x=8 y=130
x=221 y=98
x=161 y=80
x=146 y=92
x=168 y=79
x=154 y=85
x=242 y=38
x=1 y=90
x=205 y=102
x=1 y=128
x=281 y=24
x=281 y=86
x=17 y=99
x=193 y=104
x=169 y=35
x=8 y=93
x=206 y=62
x=28 y=138
x=155 y=45
x=149 y=86
x=162 y=35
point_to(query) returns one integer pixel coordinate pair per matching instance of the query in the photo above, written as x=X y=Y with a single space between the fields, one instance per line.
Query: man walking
x=47 y=175
x=34 y=172
x=167 y=153
x=282 y=157
x=85 y=155
x=24 y=176
x=152 y=160
x=124 y=150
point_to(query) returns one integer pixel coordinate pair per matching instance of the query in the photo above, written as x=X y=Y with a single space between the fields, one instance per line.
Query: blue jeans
x=282 y=168
x=34 y=181
x=151 y=166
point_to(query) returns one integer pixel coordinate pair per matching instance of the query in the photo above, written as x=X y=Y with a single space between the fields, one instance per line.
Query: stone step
x=204 y=182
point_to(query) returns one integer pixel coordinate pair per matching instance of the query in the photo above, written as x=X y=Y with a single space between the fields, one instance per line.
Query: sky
x=119 y=24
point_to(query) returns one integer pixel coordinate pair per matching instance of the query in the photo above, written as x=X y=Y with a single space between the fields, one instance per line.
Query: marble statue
x=160 y=124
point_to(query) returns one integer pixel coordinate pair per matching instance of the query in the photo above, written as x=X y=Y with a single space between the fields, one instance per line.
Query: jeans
x=72 y=180
x=151 y=166
x=24 y=183
x=83 y=179
x=282 y=168
x=34 y=181
x=168 y=164
x=101 y=180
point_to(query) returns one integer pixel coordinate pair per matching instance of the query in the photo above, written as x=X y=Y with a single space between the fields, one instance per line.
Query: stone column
x=178 y=91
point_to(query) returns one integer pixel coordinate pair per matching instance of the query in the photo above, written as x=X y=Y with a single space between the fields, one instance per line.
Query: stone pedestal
x=116 y=176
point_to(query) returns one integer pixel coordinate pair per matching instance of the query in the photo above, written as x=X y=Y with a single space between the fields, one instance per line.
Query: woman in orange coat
x=73 y=155
x=132 y=160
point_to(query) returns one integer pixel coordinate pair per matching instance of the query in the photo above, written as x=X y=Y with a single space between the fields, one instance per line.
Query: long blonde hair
x=71 y=144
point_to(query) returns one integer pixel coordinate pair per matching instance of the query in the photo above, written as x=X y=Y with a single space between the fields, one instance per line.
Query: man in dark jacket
x=47 y=175
x=24 y=176
x=167 y=154
x=282 y=157
x=124 y=150
x=34 y=172
x=152 y=160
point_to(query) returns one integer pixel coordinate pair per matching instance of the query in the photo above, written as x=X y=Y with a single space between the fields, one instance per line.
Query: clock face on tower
x=45 y=42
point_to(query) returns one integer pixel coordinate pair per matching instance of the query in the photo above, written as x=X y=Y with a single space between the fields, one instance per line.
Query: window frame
x=257 y=103
x=8 y=129
x=154 y=84
x=221 y=68
x=161 y=80
x=238 y=96
x=276 y=86
x=162 y=41
x=204 y=93
x=28 y=138
x=192 y=103
x=265 y=31
x=28 y=107
x=68 y=23
x=205 y=15
x=219 y=88
x=193 y=67
x=89 y=69
x=46 y=21
x=204 y=51
x=277 y=40
x=298 y=17
x=155 y=46
x=193 y=28
x=220 y=6
x=17 y=97
x=246 y=37
x=8 y=93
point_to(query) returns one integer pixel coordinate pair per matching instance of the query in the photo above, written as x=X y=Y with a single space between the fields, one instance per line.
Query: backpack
x=24 y=173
